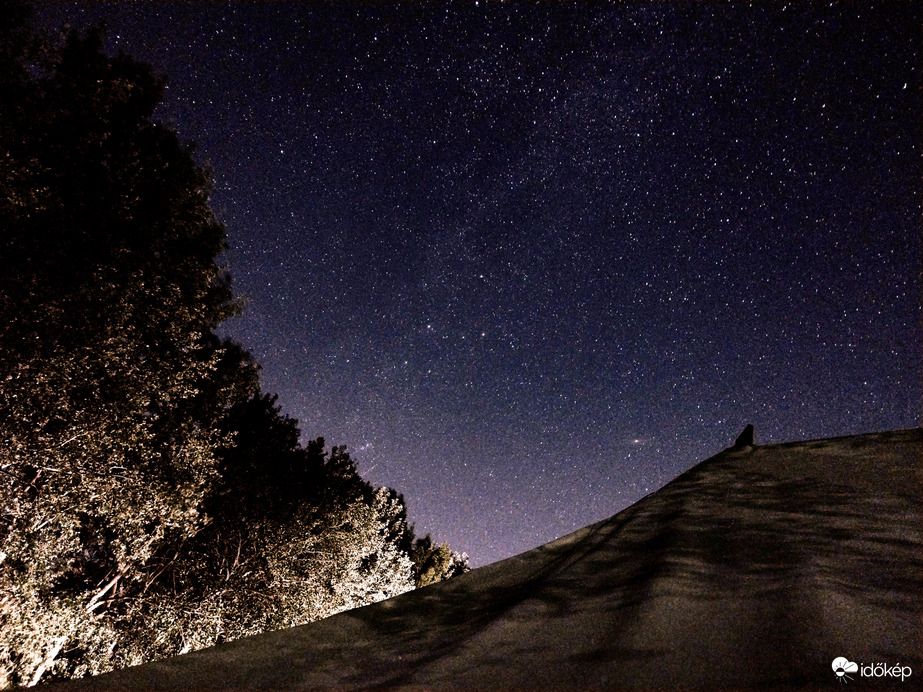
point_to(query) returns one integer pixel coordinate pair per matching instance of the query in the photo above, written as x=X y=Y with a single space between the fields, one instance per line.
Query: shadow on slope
x=754 y=569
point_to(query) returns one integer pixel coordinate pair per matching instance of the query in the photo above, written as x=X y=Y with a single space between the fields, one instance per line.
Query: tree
x=340 y=546
x=434 y=563
x=152 y=499
x=111 y=380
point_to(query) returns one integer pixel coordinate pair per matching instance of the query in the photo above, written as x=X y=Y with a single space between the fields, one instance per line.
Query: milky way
x=531 y=261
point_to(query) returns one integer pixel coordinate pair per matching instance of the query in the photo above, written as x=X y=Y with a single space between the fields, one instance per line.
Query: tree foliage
x=152 y=499
x=433 y=563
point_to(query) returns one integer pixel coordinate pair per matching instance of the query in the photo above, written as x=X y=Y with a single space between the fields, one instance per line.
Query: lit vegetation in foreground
x=152 y=499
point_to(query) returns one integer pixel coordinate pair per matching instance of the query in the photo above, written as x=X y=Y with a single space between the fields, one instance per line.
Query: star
x=663 y=220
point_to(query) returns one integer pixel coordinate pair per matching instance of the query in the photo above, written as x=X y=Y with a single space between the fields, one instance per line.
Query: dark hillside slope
x=755 y=569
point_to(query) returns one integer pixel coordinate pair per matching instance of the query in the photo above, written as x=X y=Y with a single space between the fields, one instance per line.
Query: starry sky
x=530 y=261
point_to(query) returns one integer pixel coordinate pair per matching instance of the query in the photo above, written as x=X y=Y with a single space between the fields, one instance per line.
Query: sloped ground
x=755 y=569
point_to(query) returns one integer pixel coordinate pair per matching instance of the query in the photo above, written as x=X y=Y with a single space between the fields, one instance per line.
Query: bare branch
x=95 y=601
x=56 y=647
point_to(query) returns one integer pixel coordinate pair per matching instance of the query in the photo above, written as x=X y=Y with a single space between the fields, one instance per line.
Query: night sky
x=529 y=262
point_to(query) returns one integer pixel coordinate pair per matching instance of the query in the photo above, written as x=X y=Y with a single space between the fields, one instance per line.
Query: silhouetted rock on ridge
x=745 y=439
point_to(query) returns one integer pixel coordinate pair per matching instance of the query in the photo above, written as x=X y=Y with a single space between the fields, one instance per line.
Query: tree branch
x=57 y=645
